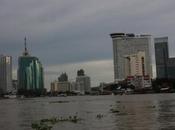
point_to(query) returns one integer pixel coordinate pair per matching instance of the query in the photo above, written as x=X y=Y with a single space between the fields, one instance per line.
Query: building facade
x=57 y=86
x=61 y=85
x=165 y=66
x=131 y=55
x=162 y=56
x=30 y=73
x=135 y=64
x=5 y=74
x=83 y=82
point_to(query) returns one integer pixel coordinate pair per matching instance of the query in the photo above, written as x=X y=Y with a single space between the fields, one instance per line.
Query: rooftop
x=128 y=35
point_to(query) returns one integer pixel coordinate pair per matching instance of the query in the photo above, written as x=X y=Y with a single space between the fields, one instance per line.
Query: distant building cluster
x=82 y=85
x=30 y=80
x=133 y=67
x=132 y=55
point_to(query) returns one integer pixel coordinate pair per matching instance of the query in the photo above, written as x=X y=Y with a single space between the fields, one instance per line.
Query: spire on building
x=25 y=53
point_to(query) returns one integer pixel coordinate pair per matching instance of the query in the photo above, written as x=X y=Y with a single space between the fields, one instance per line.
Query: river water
x=135 y=112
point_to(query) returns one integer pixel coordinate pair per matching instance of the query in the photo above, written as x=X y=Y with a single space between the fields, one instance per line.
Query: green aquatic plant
x=99 y=116
x=47 y=124
x=114 y=110
x=59 y=102
x=52 y=120
x=41 y=126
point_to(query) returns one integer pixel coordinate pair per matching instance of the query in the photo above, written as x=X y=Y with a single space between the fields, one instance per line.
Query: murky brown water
x=136 y=112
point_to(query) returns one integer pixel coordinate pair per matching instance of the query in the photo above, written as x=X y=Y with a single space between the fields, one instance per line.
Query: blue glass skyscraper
x=30 y=74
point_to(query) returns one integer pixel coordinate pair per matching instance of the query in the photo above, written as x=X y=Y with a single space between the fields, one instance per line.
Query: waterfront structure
x=5 y=74
x=83 y=82
x=139 y=82
x=165 y=66
x=30 y=73
x=127 y=48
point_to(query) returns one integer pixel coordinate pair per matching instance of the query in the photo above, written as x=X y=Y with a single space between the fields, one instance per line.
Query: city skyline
x=66 y=35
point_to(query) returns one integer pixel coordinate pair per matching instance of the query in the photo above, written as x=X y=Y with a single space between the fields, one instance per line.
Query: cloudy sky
x=67 y=35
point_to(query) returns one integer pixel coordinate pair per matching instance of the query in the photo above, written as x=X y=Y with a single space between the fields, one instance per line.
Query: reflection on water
x=166 y=116
x=134 y=112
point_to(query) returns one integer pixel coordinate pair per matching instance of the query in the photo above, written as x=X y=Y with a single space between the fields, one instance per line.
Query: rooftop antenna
x=25 y=44
x=25 y=47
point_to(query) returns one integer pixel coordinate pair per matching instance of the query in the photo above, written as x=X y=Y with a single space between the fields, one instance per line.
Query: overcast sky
x=67 y=35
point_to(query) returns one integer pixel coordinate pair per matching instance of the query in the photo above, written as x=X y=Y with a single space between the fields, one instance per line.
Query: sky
x=67 y=35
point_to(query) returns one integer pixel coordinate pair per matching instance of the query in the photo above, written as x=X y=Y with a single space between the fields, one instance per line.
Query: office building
x=30 y=73
x=5 y=74
x=83 y=82
x=165 y=66
x=162 y=55
x=131 y=55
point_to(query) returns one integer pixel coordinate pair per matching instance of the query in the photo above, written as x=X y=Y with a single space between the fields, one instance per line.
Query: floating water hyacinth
x=47 y=124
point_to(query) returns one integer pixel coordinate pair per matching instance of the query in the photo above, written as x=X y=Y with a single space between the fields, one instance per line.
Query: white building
x=83 y=82
x=5 y=74
x=129 y=52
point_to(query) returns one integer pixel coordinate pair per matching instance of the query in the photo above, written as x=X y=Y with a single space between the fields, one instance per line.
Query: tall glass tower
x=30 y=73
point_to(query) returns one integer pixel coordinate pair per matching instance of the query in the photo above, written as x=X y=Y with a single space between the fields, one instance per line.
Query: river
x=135 y=112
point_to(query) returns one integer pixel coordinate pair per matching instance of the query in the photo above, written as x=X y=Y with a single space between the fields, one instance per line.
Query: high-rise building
x=162 y=55
x=165 y=66
x=83 y=82
x=5 y=74
x=30 y=73
x=132 y=55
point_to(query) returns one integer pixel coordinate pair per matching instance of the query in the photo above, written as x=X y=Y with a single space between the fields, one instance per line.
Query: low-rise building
x=139 y=82
x=57 y=86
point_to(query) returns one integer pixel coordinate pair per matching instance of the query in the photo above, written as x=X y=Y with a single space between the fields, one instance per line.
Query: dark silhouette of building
x=162 y=55
x=80 y=72
x=63 y=77
x=165 y=66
